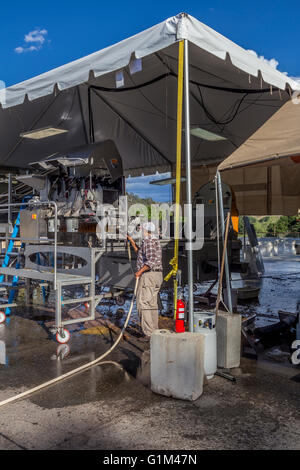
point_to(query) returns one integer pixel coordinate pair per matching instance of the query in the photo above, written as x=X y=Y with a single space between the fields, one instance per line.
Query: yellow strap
x=174 y=261
x=173 y=272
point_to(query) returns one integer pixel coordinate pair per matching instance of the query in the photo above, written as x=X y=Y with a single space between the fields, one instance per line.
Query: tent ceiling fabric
x=279 y=137
x=272 y=154
x=230 y=95
x=273 y=190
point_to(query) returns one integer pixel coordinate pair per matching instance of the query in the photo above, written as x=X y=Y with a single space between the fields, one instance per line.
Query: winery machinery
x=69 y=233
x=64 y=226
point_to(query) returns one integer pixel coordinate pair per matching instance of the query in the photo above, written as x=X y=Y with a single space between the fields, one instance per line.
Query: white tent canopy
x=232 y=93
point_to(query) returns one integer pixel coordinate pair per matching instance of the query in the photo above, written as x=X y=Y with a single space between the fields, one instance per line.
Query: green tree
x=271 y=230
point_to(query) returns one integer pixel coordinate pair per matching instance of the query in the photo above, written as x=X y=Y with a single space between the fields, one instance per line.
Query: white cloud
x=20 y=50
x=37 y=37
x=297 y=80
x=272 y=62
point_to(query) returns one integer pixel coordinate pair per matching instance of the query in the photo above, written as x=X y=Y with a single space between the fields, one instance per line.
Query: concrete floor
x=112 y=407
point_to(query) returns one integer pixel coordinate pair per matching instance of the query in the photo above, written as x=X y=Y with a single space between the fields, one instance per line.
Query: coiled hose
x=78 y=369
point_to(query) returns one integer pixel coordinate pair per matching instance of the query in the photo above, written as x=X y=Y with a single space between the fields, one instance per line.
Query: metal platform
x=59 y=280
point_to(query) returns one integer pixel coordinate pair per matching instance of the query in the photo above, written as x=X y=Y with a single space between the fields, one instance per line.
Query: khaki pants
x=146 y=300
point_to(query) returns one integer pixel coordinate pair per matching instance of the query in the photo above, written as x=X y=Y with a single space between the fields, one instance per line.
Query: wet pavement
x=111 y=406
x=279 y=289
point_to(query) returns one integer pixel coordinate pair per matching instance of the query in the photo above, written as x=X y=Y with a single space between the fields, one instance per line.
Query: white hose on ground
x=78 y=369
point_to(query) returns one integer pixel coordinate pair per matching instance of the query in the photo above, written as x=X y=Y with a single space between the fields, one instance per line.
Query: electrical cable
x=212 y=118
x=170 y=73
x=221 y=128
x=175 y=75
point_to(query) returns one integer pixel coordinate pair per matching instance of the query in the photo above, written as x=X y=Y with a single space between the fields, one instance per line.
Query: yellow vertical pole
x=178 y=165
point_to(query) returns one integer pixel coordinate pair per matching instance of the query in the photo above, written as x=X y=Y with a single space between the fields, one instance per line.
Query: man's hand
x=141 y=271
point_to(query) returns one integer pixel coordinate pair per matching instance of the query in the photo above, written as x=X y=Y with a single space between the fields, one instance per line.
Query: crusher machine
x=57 y=237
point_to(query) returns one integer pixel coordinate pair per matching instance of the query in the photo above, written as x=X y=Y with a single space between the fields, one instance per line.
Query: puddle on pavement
x=125 y=372
x=107 y=382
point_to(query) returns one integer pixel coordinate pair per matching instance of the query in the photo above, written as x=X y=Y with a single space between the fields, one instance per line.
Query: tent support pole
x=221 y=208
x=189 y=224
x=174 y=262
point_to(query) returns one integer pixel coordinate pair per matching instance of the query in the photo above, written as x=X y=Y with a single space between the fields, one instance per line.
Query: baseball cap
x=149 y=226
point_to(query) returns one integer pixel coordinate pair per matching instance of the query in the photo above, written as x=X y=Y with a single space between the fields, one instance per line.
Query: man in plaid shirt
x=149 y=271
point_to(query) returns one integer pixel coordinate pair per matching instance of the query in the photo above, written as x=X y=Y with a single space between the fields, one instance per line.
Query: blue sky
x=74 y=29
x=142 y=187
x=36 y=36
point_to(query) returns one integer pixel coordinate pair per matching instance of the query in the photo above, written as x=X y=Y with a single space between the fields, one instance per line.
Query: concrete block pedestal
x=229 y=328
x=177 y=364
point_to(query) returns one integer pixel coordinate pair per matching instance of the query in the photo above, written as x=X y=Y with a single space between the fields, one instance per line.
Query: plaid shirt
x=150 y=253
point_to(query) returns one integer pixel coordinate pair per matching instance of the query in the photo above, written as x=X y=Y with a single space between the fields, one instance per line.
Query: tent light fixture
x=206 y=135
x=38 y=134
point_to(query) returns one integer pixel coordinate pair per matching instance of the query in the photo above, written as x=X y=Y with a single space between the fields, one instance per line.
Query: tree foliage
x=274 y=226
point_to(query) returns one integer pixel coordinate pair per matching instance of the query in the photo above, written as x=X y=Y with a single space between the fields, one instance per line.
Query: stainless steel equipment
x=56 y=238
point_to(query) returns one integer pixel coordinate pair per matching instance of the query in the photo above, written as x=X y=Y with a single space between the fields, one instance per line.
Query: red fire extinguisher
x=179 y=322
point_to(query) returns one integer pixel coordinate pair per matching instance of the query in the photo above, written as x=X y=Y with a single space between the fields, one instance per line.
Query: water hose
x=78 y=369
